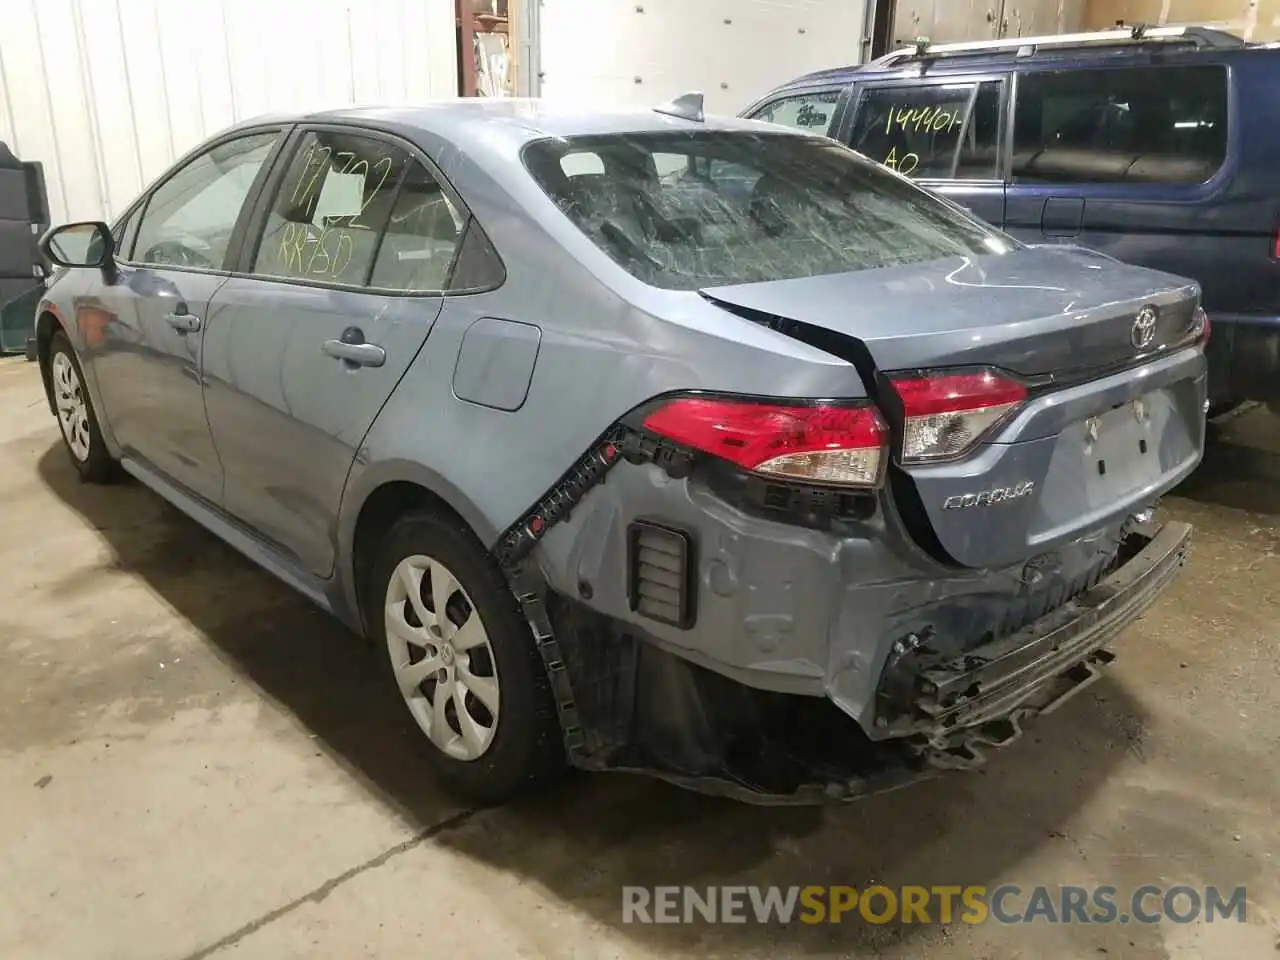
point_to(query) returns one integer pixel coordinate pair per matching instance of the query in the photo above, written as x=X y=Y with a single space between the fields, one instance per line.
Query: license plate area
x=1102 y=467
x=1120 y=448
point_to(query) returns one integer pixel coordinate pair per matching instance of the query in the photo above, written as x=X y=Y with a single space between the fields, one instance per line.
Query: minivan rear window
x=1130 y=125
x=709 y=208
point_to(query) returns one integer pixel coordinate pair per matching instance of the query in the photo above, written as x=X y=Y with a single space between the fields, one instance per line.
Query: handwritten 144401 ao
x=921 y=120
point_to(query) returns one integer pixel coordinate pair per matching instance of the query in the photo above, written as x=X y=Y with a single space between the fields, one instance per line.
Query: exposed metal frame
x=466 y=30
x=526 y=15
x=869 y=9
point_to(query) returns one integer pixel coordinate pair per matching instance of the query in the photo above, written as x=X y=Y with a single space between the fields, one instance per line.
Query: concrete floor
x=195 y=763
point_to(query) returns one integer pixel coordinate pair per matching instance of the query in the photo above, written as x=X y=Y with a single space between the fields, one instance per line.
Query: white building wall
x=643 y=52
x=108 y=93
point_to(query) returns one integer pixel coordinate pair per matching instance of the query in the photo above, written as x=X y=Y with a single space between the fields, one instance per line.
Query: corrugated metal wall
x=946 y=21
x=647 y=51
x=1029 y=18
x=107 y=93
x=1252 y=19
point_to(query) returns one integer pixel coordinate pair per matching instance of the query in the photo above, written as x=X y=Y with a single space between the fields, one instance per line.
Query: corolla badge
x=989 y=498
x=1143 y=332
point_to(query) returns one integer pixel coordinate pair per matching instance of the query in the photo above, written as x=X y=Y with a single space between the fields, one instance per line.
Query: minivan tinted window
x=747 y=207
x=810 y=112
x=1133 y=125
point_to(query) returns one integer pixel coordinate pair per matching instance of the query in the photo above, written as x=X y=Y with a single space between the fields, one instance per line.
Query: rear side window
x=807 y=111
x=478 y=266
x=422 y=236
x=357 y=211
x=938 y=131
x=331 y=208
x=1138 y=125
x=746 y=207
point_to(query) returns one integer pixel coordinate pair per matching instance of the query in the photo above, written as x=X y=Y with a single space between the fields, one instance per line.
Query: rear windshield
x=689 y=210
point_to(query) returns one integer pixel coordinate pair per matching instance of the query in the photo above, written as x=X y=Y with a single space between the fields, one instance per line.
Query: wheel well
x=46 y=326
x=382 y=508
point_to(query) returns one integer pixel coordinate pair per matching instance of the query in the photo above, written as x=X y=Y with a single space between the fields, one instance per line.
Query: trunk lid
x=1056 y=311
x=1114 y=414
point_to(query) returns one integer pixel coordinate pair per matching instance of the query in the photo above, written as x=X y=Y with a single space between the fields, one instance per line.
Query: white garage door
x=646 y=51
x=107 y=93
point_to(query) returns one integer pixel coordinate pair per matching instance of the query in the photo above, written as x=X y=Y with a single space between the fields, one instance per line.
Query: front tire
x=459 y=654
x=77 y=420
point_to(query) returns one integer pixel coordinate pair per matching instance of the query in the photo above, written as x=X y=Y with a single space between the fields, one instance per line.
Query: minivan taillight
x=1200 y=326
x=816 y=443
x=946 y=414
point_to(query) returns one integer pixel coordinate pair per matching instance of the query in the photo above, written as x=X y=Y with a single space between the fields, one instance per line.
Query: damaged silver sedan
x=643 y=440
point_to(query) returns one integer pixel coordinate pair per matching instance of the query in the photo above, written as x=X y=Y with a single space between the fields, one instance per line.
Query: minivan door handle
x=352 y=349
x=1062 y=217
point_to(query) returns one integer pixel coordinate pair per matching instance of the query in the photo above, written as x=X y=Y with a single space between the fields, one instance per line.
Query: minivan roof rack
x=1027 y=46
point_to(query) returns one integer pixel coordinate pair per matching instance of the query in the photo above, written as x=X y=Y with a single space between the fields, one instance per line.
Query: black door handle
x=354 y=350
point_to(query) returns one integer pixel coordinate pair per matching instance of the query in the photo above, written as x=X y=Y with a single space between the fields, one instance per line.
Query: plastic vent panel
x=660 y=568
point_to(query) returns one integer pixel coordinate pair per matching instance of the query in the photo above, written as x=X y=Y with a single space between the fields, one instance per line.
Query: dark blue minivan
x=1159 y=146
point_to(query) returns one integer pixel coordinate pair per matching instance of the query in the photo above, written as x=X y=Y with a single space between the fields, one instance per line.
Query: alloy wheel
x=442 y=659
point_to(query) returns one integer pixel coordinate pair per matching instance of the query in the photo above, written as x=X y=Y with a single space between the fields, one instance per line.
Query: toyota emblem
x=1143 y=332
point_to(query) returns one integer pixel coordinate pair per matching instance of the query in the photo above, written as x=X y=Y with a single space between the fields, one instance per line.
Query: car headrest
x=774 y=201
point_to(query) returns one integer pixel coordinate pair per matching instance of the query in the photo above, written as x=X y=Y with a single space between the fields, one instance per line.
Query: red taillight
x=946 y=414
x=1197 y=331
x=822 y=443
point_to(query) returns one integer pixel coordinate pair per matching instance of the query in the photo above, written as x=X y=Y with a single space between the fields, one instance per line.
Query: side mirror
x=87 y=244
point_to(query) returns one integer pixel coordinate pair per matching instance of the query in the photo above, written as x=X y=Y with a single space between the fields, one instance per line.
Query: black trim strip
x=557 y=503
x=527 y=585
x=386 y=227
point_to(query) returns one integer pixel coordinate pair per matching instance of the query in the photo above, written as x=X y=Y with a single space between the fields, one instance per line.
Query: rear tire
x=77 y=419
x=472 y=682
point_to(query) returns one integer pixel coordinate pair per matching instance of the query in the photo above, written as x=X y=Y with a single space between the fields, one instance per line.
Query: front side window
x=939 y=131
x=1138 y=125
x=747 y=207
x=331 y=208
x=190 y=217
x=808 y=111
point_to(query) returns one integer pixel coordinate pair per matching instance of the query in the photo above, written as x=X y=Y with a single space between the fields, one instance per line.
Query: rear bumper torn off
x=949 y=710
x=822 y=665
